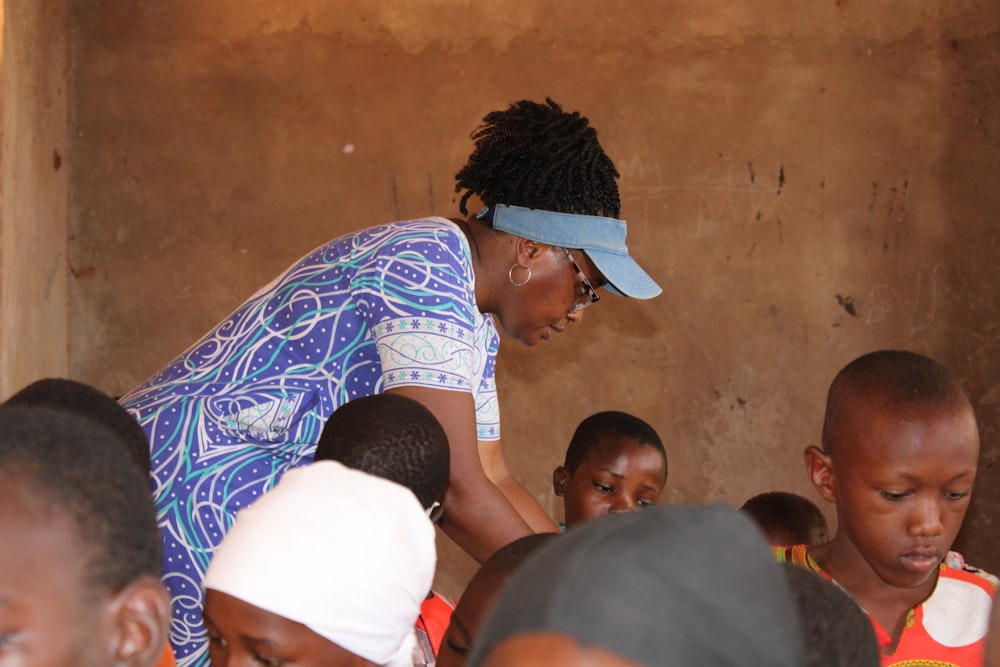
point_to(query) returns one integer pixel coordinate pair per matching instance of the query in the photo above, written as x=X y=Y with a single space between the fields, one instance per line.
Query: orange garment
x=166 y=658
x=435 y=617
x=948 y=628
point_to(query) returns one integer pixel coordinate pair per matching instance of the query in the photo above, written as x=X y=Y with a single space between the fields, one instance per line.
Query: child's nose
x=624 y=503
x=926 y=522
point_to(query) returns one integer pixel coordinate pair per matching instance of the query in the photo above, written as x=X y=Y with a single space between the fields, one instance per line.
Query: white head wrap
x=349 y=555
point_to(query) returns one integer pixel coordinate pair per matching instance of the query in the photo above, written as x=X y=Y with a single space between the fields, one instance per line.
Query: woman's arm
x=495 y=467
x=477 y=514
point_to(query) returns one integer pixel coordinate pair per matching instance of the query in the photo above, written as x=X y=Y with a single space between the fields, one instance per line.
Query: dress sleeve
x=417 y=292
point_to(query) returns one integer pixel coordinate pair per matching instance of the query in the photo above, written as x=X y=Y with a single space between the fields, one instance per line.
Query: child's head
x=899 y=457
x=480 y=594
x=90 y=402
x=787 y=518
x=328 y=568
x=673 y=585
x=836 y=632
x=614 y=463
x=81 y=556
x=393 y=437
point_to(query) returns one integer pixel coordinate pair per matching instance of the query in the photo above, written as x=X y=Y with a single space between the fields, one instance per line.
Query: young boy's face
x=240 y=634
x=901 y=479
x=48 y=617
x=467 y=619
x=618 y=474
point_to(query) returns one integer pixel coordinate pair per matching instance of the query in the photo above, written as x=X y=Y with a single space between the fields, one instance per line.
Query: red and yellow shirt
x=947 y=629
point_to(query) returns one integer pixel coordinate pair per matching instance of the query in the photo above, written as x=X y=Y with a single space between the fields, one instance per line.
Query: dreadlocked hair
x=538 y=156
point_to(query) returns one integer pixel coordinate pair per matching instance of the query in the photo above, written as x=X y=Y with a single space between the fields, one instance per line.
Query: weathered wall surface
x=34 y=315
x=809 y=181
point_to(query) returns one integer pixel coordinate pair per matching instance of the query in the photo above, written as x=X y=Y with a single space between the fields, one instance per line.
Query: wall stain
x=753 y=176
x=847 y=303
x=781 y=178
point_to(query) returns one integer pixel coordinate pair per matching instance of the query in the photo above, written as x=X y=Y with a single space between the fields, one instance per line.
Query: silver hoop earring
x=510 y=275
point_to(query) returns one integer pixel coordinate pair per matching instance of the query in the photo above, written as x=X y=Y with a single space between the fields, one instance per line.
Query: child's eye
x=603 y=488
x=644 y=502
x=268 y=662
x=455 y=646
x=955 y=495
x=894 y=495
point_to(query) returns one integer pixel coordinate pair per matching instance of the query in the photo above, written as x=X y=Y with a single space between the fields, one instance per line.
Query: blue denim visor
x=603 y=239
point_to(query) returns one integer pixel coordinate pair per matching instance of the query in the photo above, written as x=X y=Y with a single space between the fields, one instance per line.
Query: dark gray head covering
x=671 y=585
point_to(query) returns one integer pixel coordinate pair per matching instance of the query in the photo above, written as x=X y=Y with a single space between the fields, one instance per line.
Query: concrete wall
x=34 y=327
x=809 y=181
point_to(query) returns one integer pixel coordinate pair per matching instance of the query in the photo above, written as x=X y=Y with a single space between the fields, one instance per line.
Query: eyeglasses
x=589 y=294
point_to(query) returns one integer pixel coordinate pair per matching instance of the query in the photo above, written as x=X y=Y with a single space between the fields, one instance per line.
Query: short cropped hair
x=538 y=156
x=508 y=558
x=73 y=466
x=790 y=513
x=899 y=378
x=609 y=423
x=836 y=631
x=393 y=437
x=88 y=401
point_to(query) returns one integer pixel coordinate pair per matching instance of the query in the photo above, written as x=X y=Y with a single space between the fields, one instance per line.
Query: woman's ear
x=560 y=481
x=526 y=250
x=819 y=467
x=140 y=618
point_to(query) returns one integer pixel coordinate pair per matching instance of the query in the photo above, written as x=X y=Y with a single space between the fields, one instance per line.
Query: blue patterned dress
x=385 y=307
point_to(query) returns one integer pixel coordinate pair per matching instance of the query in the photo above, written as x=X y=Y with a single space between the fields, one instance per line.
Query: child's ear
x=560 y=481
x=140 y=618
x=819 y=467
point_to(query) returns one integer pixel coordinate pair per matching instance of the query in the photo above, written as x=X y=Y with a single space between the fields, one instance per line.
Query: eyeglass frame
x=590 y=290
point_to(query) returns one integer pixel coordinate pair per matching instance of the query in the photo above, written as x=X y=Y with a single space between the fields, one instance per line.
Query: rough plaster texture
x=34 y=327
x=809 y=181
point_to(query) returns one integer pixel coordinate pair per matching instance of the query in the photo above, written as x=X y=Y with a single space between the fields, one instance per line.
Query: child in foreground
x=398 y=439
x=481 y=594
x=615 y=462
x=787 y=518
x=87 y=401
x=899 y=457
x=328 y=569
x=672 y=586
x=80 y=562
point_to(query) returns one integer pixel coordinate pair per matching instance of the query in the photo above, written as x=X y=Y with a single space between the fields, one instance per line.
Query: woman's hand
x=478 y=515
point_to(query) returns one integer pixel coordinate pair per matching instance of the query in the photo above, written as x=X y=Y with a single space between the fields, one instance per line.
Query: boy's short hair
x=602 y=424
x=71 y=465
x=782 y=511
x=898 y=377
x=90 y=402
x=836 y=631
x=509 y=557
x=393 y=437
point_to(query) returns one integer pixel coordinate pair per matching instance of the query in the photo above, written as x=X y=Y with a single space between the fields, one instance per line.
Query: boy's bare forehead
x=860 y=426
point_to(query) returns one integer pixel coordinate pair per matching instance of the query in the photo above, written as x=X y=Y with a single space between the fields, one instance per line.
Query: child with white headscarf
x=327 y=569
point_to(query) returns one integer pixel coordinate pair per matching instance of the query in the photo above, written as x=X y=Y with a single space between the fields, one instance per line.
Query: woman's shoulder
x=432 y=231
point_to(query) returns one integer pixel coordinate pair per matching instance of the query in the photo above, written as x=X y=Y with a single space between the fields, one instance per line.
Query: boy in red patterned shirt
x=899 y=458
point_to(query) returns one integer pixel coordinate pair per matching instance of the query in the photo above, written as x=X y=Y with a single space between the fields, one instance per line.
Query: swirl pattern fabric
x=389 y=306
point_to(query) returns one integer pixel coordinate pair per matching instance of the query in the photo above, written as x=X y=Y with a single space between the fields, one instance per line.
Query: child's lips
x=921 y=559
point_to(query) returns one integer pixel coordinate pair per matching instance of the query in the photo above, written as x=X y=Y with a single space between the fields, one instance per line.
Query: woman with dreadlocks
x=407 y=307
